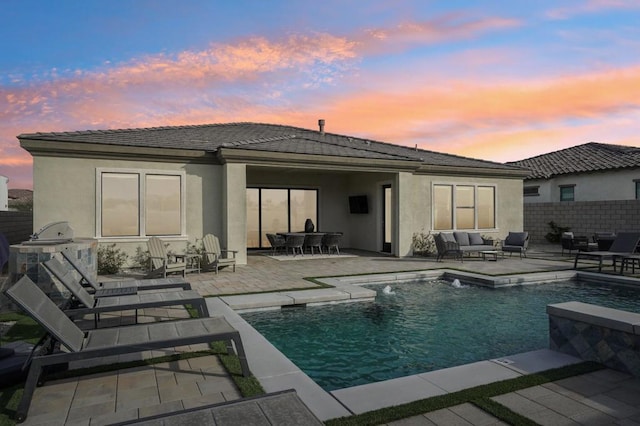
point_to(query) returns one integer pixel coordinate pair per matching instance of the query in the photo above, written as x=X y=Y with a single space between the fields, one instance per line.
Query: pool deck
x=603 y=397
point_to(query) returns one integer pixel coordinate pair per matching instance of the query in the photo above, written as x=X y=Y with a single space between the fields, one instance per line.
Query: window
x=637 y=182
x=466 y=206
x=273 y=210
x=567 y=193
x=137 y=204
x=531 y=191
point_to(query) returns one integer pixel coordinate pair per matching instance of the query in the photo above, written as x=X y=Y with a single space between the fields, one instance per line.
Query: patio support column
x=403 y=215
x=234 y=210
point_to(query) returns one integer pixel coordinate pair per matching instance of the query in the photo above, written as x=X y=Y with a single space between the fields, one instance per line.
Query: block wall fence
x=16 y=226
x=583 y=217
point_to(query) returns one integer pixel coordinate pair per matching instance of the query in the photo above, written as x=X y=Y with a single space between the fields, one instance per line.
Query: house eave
x=307 y=161
x=428 y=169
x=49 y=148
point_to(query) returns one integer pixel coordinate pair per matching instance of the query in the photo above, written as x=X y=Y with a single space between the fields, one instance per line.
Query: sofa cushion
x=475 y=239
x=462 y=238
x=448 y=237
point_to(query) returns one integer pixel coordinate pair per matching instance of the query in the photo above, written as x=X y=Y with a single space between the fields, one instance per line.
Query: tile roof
x=262 y=137
x=585 y=158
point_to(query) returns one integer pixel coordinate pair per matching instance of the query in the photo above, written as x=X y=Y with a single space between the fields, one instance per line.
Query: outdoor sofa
x=459 y=242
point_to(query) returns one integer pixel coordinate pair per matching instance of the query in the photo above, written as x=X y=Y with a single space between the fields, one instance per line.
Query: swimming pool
x=422 y=327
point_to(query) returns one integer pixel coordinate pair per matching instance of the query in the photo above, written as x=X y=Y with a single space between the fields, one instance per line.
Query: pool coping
x=276 y=372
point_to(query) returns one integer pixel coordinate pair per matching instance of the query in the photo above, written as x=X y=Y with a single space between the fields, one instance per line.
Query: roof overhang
x=428 y=169
x=50 y=148
x=307 y=161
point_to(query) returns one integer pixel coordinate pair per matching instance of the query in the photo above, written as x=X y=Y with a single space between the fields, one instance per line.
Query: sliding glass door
x=273 y=210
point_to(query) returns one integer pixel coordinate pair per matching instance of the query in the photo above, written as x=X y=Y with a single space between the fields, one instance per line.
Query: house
x=593 y=187
x=588 y=172
x=241 y=181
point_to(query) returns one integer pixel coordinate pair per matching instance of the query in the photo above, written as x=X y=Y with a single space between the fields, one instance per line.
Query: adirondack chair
x=95 y=344
x=216 y=257
x=160 y=263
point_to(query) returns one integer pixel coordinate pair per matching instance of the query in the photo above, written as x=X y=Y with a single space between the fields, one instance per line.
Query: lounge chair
x=313 y=241
x=161 y=263
x=108 y=341
x=276 y=241
x=516 y=242
x=113 y=288
x=215 y=256
x=95 y=306
x=624 y=244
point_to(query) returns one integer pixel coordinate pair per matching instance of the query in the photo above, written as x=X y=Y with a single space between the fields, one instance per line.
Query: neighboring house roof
x=269 y=138
x=20 y=195
x=585 y=158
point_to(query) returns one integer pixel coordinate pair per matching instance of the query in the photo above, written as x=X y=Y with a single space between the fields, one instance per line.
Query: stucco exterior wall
x=509 y=206
x=597 y=186
x=65 y=190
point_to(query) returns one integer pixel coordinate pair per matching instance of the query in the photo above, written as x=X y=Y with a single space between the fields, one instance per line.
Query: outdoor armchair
x=215 y=256
x=447 y=245
x=95 y=344
x=516 y=242
x=161 y=263
x=570 y=242
x=96 y=305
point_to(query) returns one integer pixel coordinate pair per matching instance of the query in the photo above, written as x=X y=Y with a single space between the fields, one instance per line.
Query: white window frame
x=141 y=196
x=454 y=205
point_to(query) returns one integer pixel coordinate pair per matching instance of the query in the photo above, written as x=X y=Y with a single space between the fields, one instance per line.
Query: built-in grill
x=52 y=233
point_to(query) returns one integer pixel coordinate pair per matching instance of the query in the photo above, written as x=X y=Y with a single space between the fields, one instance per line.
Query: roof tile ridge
x=259 y=140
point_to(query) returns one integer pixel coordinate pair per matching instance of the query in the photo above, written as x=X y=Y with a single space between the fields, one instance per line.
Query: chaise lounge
x=112 y=288
x=624 y=245
x=96 y=305
x=109 y=341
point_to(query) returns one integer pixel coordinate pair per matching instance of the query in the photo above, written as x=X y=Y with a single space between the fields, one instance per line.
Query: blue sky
x=497 y=80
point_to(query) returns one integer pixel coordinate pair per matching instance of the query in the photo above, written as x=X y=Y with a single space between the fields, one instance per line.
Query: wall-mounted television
x=358 y=204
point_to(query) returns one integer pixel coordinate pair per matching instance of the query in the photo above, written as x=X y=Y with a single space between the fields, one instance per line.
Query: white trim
x=142 y=174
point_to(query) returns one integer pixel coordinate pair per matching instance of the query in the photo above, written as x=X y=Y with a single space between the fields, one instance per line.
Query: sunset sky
x=497 y=80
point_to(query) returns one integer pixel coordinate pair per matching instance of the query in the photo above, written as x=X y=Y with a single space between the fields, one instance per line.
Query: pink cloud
x=591 y=6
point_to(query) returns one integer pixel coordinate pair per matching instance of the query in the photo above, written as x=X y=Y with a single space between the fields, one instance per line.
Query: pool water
x=422 y=327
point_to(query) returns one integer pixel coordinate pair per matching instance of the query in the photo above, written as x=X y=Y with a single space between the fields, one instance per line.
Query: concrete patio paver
x=598 y=396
